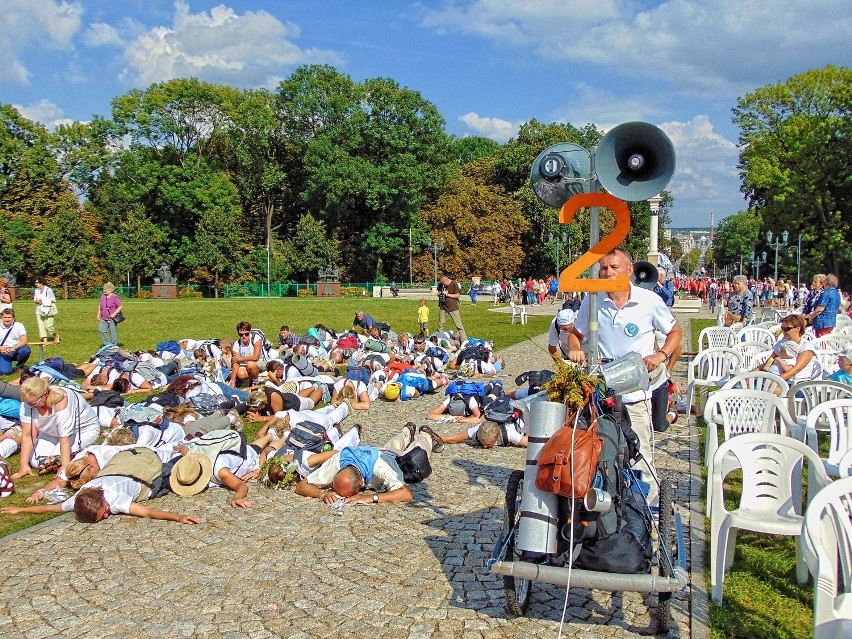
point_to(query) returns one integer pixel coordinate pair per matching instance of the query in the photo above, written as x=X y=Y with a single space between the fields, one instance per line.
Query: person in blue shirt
x=362 y=321
x=665 y=289
x=824 y=317
x=844 y=375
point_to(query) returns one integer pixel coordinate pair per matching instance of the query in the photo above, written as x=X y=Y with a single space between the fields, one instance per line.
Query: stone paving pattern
x=290 y=568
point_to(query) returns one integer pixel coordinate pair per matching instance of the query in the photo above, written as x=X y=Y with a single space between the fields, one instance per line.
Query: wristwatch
x=375 y=498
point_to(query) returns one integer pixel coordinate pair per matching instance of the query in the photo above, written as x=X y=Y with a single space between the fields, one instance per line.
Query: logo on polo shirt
x=631 y=330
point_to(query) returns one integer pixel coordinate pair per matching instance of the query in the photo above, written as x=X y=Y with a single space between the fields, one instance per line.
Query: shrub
x=353 y=291
x=143 y=295
x=187 y=292
x=306 y=292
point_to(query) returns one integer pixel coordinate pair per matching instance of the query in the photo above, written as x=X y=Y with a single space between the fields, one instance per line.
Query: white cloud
x=101 y=34
x=45 y=112
x=220 y=46
x=706 y=177
x=28 y=24
x=604 y=109
x=494 y=128
x=700 y=45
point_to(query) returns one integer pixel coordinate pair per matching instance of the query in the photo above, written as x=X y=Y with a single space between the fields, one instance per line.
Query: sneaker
x=437 y=441
x=236 y=421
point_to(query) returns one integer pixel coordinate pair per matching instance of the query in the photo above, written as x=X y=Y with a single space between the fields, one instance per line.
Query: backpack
x=348 y=341
x=440 y=353
x=56 y=363
x=265 y=344
x=308 y=436
x=218 y=442
x=474 y=351
x=414 y=465
x=359 y=374
x=205 y=403
x=417 y=380
x=501 y=411
x=145 y=369
x=535 y=379
x=49 y=370
x=466 y=389
x=140 y=464
x=170 y=346
x=107 y=398
x=618 y=540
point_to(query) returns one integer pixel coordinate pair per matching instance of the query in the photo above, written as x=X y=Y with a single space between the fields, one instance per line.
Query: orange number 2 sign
x=569 y=279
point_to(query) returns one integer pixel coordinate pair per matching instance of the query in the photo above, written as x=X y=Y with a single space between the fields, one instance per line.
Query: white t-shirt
x=119 y=493
x=630 y=328
x=558 y=338
x=65 y=422
x=789 y=347
x=235 y=464
x=12 y=335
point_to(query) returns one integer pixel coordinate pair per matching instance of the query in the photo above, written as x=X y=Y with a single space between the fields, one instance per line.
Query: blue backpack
x=434 y=351
x=170 y=346
x=359 y=374
x=417 y=380
x=466 y=389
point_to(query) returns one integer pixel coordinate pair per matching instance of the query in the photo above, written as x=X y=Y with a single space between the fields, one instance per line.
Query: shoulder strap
x=6 y=336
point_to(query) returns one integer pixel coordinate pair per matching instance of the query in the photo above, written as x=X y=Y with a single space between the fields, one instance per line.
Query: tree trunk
x=138 y=284
x=65 y=290
x=216 y=287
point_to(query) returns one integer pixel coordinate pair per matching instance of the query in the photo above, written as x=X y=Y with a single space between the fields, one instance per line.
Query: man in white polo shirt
x=627 y=321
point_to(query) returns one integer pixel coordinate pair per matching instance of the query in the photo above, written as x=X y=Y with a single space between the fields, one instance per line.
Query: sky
x=487 y=65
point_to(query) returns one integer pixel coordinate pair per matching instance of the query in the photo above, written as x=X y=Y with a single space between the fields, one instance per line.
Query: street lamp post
x=755 y=261
x=435 y=247
x=653 y=250
x=798 y=249
x=779 y=242
x=551 y=238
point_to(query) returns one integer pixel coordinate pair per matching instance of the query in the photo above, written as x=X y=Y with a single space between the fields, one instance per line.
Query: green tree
x=373 y=153
x=310 y=249
x=65 y=250
x=135 y=247
x=737 y=236
x=473 y=148
x=796 y=141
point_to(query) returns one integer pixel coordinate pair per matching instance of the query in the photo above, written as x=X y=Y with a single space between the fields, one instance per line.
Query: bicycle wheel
x=517 y=590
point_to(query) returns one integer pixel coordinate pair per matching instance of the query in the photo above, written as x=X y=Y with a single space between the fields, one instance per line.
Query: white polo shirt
x=629 y=328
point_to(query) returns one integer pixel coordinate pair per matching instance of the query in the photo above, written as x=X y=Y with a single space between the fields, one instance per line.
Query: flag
x=664 y=262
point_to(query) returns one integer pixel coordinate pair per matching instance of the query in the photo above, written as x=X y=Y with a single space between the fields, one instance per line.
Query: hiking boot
x=437 y=441
x=412 y=429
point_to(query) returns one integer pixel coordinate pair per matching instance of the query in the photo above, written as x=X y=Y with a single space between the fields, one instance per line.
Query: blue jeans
x=19 y=355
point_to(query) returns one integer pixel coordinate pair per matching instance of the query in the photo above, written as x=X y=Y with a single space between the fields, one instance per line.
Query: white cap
x=565 y=316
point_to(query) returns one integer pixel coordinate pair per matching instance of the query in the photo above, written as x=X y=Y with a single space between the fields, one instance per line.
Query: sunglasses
x=242 y=334
x=788 y=328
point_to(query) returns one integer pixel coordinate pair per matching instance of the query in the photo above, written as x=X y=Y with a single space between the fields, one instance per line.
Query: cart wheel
x=517 y=590
x=666 y=555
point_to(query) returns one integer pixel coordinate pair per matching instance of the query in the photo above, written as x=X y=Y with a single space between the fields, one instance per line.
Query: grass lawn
x=152 y=321
x=761 y=598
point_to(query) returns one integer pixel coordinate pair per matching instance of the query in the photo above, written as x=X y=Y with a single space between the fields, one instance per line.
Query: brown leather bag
x=557 y=460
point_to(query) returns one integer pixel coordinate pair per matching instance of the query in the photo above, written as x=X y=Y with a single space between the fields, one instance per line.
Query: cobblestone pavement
x=290 y=568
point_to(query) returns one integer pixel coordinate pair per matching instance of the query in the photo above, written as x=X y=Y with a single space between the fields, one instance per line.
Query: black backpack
x=107 y=398
x=414 y=465
x=308 y=436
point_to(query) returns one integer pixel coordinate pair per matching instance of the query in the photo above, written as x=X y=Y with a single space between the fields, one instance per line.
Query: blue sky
x=488 y=65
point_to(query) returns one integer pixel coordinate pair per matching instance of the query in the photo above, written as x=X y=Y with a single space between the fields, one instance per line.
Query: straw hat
x=191 y=474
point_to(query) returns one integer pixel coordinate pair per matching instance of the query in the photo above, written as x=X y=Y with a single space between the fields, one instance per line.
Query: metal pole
x=594 y=238
x=799 y=262
x=410 y=250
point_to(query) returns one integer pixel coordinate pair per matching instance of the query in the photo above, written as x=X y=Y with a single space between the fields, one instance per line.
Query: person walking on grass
x=108 y=307
x=449 y=293
x=45 y=302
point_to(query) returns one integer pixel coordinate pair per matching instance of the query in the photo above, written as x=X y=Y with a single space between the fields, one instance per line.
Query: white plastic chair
x=827 y=550
x=760 y=381
x=832 y=342
x=770 y=502
x=743 y=412
x=803 y=397
x=757 y=333
x=836 y=415
x=711 y=367
x=752 y=354
x=716 y=337
x=844 y=466
x=519 y=313
x=827 y=361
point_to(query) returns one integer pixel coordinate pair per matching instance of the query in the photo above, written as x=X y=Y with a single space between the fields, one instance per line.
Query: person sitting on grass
x=246 y=357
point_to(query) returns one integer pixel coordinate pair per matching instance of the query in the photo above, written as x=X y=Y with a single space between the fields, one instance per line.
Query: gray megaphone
x=645 y=275
x=560 y=172
x=635 y=161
